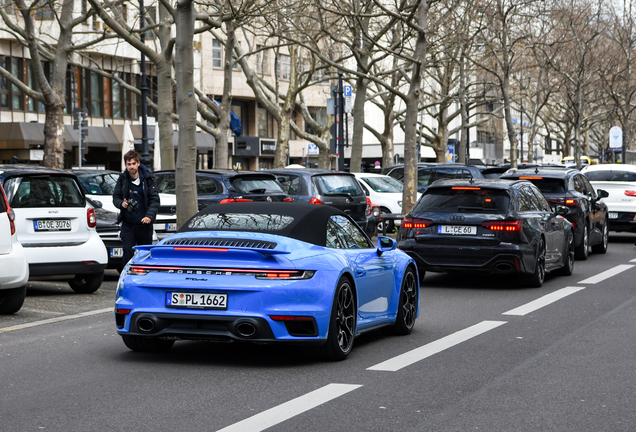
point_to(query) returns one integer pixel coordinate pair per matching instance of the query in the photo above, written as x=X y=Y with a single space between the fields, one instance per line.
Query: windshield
x=43 y=191
x=611 y=175
x=239 y=222
x=384 y=184
x=98 y=183
x=453 y=200
x=334 y=184
x=256 y=185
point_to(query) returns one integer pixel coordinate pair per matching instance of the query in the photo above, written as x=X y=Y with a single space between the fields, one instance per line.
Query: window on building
x=262 y=60
x=284 y=66
x=5 y=95
x=217 y=54
x=17 y=101
x=44 y=10
x=265 y=123
x=150 y=19
x=318 y=114
x=118 y=97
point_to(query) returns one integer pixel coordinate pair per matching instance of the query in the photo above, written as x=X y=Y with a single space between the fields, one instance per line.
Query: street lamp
x=145 y=156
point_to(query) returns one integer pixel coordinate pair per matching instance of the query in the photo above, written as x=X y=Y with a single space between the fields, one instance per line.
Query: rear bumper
x=65 y=268
x=86 y=258
x=504 y=258
x=14 y=268
x=624 y=222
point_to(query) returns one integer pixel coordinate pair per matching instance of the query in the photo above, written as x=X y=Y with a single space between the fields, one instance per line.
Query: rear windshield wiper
x=338 y=194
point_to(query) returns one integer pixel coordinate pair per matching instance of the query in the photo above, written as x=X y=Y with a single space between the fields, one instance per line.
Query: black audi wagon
x=483 y=225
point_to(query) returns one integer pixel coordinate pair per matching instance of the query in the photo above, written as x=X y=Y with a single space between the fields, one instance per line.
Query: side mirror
x=602 y=193
x=561 y=209
x=386 y=244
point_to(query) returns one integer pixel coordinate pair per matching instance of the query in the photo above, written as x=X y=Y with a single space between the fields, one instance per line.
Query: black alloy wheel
x=601 y=248
x=568 y=263
x=582 y=250
x=535 y=280
x=407 y=307
x=342 y=325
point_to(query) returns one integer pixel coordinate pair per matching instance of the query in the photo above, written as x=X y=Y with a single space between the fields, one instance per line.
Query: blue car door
x=373 y=274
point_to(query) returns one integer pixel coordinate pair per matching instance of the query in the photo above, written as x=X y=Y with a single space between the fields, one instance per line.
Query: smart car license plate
x=196 y=300
x=613 y=215
x=457 y=230
x=171 y=227
x=52 y=225
x=116 y=252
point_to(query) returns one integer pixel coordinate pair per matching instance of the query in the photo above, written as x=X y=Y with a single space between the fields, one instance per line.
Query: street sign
x=616 y=138
x=348 y=104
x=348 y=91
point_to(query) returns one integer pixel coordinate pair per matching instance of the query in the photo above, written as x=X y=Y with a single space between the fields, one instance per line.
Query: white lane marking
x=606 y=274
x=294 y=407
x=413 y=356
x=55 y=320
x=543 y=301
x=43 y=312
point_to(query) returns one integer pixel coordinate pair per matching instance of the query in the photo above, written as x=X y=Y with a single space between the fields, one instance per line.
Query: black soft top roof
x=309 y=224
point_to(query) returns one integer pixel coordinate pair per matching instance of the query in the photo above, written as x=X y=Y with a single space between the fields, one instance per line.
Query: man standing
x=137 y=197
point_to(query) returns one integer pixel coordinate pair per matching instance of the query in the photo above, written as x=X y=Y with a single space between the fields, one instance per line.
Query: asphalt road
x=485 y=355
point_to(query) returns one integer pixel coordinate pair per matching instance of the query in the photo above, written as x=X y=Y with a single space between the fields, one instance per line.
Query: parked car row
x=52 y=222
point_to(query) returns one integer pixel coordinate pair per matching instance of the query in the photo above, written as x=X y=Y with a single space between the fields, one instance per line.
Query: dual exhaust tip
x=244 y=328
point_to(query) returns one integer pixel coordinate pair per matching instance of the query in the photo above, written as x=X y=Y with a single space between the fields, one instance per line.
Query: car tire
x=535 y=280
x=568 y=266
x=407 y=306
x=601 y=248
x=582 y=250
x=342 y=324
x=11 y=300
x=147 y=344
x=86 y=283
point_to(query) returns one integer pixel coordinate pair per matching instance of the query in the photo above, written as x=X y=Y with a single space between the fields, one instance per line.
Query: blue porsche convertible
x=266 y=272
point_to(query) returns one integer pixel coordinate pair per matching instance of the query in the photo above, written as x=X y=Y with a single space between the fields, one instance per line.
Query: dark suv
x=334 y=188
x=429 y=173
x=587 y=212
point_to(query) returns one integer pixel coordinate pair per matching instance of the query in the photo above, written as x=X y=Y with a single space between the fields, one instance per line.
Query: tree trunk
x=186 y=106
x=358 y=125
x=409 y=195
x=164 y=93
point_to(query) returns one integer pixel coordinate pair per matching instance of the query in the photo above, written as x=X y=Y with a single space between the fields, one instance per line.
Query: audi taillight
x=315 y=200
x=630 y=193
x=571 y=202
x=416 y=223
x=91 y=218
x=231 y=200
x=504 y=226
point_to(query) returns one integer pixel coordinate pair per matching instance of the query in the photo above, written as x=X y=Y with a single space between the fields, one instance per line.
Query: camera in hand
x=133 y=205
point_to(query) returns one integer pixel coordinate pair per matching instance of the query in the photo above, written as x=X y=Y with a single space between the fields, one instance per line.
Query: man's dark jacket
x=151 y=195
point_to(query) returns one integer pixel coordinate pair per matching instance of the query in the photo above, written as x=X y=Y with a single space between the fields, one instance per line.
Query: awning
x=97 y=137
x=21 y=135
x=205 y=141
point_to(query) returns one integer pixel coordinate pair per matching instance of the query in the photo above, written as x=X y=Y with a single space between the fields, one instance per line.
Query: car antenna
x=471 y=180
x=536 y=170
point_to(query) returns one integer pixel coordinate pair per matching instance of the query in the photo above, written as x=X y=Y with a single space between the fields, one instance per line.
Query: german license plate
x=116 y=252
x=457 y=230
x=196 y=300
x=52 y=225
x=613 y=215
x=171 y=227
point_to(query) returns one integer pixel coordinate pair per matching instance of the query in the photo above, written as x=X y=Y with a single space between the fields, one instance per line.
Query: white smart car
x=384 y=191
x=55 y=225
x=14 y=268
x=619 y=180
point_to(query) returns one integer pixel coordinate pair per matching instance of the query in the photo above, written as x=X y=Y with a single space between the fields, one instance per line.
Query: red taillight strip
x=507 y=226
x=141 y=270
x=416 y=223
x=465 y=188
x=530 y=178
